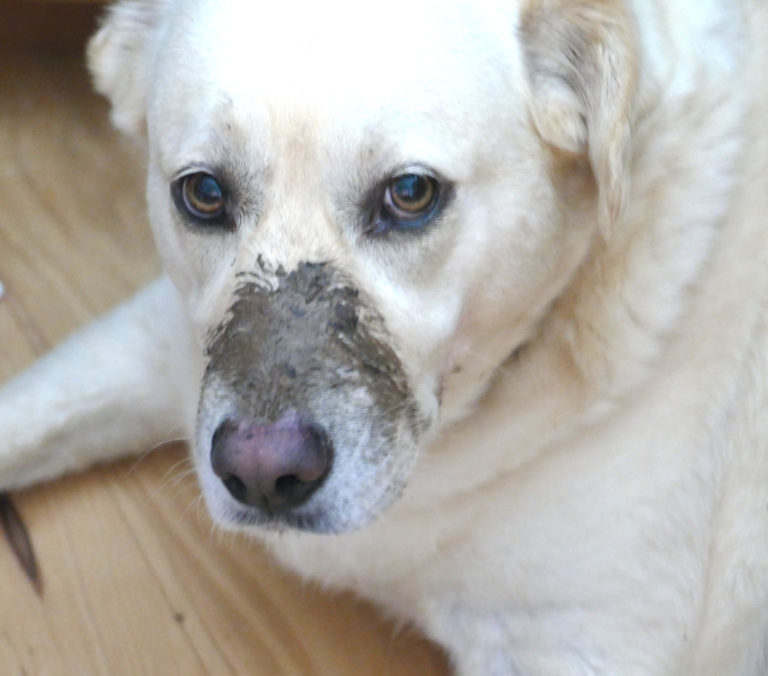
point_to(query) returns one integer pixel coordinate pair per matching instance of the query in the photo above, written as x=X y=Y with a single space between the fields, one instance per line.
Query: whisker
x=143 y=454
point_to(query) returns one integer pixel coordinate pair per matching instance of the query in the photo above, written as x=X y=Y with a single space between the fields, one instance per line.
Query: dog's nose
x=275 y=466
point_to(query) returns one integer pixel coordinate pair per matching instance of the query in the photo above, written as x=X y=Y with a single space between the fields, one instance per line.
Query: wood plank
x=136 y=579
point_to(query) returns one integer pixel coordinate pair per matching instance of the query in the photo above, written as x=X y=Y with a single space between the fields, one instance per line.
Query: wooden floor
x=135 y=579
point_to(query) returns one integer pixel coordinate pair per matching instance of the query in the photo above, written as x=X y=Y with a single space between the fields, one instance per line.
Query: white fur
x=595 y=503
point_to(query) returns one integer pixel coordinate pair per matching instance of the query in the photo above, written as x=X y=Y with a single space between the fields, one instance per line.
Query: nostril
x=287 y=484
x=236 y=487
x=291 y=489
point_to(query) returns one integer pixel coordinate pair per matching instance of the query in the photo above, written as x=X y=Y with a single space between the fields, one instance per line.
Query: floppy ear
x=120 y=55
x=582 y=63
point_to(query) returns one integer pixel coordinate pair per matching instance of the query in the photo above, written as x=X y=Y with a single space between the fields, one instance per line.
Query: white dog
x=477 y=293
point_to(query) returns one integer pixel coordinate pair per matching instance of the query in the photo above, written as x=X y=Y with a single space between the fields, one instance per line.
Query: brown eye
x=201 y=196
x=410 y=196
x=408 y=202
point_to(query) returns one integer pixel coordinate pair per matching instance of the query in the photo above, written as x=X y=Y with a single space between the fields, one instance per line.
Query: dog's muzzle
x=307 y=403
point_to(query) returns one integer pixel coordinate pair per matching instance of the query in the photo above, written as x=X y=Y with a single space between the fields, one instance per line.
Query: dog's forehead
x=354 y=46
x=336 y=61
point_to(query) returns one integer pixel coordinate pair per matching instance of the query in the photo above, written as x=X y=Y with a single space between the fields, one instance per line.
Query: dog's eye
x=409 y=202
x=410 y=198
x=201 y=197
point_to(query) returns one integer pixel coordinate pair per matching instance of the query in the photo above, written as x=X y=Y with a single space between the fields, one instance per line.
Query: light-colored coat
x=584 y=332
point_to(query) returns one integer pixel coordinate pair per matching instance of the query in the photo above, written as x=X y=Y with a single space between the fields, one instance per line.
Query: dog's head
x=367 y=210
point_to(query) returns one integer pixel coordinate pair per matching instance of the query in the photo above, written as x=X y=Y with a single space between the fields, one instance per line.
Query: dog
x=465 y=308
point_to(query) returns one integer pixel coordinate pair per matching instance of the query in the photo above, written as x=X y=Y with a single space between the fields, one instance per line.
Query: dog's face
x=367 y=211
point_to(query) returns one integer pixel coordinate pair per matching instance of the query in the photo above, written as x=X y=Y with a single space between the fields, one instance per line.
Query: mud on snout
x=306 y=419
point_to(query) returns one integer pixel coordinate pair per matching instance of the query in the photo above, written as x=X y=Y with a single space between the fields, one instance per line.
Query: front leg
x=125 y=383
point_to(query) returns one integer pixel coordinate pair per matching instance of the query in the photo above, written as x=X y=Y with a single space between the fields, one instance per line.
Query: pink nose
x=275 y=466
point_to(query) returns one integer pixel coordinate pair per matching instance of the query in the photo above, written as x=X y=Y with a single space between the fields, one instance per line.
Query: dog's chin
x=315 y=516
x=249 y=519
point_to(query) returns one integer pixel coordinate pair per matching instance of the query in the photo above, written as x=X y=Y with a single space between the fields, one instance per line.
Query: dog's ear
x=582 y=63
x=119 y=57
